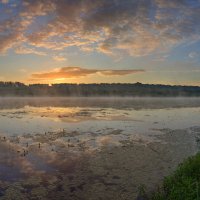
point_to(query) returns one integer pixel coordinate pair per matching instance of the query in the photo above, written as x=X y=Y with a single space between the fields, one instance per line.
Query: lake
x=93 y=148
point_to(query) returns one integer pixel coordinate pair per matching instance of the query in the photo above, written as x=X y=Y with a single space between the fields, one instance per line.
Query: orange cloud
x=137 y=28
x=75 y=72
x=4 y=1
x=120 y=72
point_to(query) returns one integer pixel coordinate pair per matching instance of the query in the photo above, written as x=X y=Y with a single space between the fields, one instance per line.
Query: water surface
x=86 y=138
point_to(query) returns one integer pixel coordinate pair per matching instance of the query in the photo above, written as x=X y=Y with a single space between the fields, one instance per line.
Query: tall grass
x=183 y=184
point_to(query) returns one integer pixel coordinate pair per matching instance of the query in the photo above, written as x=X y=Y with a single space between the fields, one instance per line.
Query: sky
x=100 y=41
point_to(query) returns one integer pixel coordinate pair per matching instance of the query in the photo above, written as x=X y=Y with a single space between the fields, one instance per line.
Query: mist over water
x=118 y=102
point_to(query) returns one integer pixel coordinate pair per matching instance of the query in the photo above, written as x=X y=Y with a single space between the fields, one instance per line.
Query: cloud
x=119 y=72
x=8 y=41
x=33 y=8
x=4 y=1
x=59 y=58
x=75 y=72
x=26 y=50
x=193 y=54
x=136 y=27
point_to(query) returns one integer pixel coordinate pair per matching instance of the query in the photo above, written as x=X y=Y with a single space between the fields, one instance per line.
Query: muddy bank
x=110 y=172
x=121 y=170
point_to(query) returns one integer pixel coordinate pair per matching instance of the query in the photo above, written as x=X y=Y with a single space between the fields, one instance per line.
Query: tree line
x=102 y=89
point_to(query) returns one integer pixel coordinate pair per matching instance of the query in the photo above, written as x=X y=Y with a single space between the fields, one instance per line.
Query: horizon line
x=114 y=83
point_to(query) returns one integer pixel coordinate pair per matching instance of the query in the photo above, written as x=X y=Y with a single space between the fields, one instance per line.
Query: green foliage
x=183 y=184
x=142 y=191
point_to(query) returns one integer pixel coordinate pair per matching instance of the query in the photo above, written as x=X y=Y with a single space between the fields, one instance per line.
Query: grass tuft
x=183 y=184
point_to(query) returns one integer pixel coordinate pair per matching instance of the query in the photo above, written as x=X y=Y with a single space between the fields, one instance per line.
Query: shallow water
x=130 y=115
x=61 y=137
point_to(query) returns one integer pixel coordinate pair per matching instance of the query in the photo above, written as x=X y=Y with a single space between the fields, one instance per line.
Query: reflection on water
x=58 y=138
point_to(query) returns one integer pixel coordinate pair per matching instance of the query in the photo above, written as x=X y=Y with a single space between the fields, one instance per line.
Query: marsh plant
x=183 y=184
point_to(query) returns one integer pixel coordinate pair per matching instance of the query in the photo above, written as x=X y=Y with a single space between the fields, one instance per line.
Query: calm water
x=136 y=117
x=133 y=116
x=38 y=133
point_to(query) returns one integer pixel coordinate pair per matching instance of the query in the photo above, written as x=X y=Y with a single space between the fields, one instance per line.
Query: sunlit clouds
x=76 y=72
x=4 y=1
x=137 y=29
x=59 y=58
x=25 y=50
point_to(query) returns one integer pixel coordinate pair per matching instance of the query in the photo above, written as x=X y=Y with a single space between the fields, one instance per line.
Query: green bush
x=183 y=184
